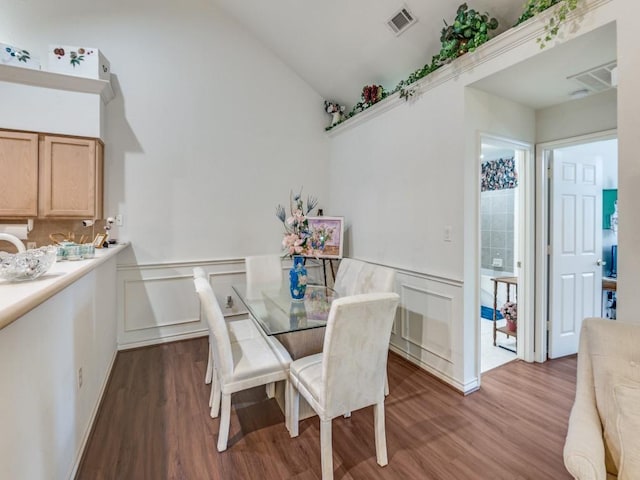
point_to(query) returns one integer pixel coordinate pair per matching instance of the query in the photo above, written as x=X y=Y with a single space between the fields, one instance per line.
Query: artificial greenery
x=469 y=30
x=533 y=7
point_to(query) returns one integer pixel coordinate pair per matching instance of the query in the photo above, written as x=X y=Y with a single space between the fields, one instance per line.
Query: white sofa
x=603 y=440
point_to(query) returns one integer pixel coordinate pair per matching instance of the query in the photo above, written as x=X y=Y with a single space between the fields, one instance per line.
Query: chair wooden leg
x=326 y=449
x=381 y=438
x=215 y=400
x=209 y=375
x=271 y=390
x=294 y=410
x=225 y=420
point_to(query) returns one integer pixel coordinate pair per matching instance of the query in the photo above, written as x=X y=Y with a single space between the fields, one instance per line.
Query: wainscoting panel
x=146 y=304
x=426 y=320
x=426 y=328
x=157 y=303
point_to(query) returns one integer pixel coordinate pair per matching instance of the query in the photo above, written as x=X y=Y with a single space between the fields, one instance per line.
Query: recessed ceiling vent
x=597 y=79
x=401 y=21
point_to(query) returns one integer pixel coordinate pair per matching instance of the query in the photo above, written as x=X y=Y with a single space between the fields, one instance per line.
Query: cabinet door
x=70 y=177
x=18 y=174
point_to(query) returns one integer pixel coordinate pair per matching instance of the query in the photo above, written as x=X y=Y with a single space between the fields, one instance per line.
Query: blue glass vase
x=298 y=278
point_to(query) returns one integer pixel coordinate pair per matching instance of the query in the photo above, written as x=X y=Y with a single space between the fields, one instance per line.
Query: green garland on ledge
x=469 y=30
x=534 y=7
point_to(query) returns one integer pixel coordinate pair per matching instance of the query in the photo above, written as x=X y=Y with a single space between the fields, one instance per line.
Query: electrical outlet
x=80 y=377
x=119 y=220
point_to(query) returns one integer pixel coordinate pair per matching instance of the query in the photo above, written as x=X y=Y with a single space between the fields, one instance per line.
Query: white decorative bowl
x=17 y=267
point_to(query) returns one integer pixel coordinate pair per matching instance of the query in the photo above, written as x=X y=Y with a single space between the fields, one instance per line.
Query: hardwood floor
x=154 y=424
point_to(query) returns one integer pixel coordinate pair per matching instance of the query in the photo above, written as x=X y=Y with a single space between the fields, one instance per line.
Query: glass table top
x=276 y=312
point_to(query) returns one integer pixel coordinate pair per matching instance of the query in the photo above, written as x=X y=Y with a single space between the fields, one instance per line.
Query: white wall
x=208 y=132
x=46 y=110
x=628 y=164
x=401 y=167
x=595 y=113
x=416 y=166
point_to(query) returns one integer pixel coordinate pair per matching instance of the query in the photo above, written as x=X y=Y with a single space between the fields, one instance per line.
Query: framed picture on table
x=99 y=240
x=327 y=234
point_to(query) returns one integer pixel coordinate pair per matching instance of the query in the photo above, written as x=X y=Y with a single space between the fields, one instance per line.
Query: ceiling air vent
x=597 y=79
x=401 y=21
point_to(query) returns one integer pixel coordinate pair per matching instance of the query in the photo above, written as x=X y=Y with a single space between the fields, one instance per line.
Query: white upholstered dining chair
x=350 y=372
x=239 y=329
x=238 y=365
x=355 y=277
x=262 y=271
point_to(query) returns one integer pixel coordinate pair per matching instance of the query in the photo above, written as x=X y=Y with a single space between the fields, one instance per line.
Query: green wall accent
x=609 y=198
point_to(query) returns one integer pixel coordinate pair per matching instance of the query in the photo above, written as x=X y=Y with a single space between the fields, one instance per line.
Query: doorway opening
x=576 y=271
x=502 y=244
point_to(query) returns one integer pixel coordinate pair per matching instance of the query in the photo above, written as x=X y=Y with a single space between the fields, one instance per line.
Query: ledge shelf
x=58 y=81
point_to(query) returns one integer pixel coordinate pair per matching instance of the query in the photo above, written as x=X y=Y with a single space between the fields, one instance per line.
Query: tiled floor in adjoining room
x=492 y=357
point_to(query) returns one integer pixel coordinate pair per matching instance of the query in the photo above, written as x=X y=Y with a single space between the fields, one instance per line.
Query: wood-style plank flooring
x=154 y=424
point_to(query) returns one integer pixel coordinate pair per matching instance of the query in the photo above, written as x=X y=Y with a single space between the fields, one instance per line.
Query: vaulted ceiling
x=338 y=46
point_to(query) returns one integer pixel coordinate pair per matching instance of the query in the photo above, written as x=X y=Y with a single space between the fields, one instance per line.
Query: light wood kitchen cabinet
x=70 y=177
x=18 y=174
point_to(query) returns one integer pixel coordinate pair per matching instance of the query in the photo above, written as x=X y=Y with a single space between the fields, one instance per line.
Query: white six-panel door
x=575 y=272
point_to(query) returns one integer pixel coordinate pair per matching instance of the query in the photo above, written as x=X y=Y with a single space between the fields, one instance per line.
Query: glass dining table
x=297 y=324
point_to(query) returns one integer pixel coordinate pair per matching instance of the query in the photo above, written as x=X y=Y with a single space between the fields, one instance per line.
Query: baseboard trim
x=164 y=339
x=464 y=389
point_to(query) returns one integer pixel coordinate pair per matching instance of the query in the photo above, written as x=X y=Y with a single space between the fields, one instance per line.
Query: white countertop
x=17 y=298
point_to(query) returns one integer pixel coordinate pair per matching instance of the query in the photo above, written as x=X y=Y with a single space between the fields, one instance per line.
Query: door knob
x=599 y=262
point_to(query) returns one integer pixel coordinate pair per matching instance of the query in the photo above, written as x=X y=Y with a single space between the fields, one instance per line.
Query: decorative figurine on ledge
x=335 y=111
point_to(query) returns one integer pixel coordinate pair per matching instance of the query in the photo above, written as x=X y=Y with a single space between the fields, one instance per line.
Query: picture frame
x=99 y=240
x=319 y=227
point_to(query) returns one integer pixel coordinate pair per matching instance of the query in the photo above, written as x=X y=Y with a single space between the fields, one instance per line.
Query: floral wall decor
x=20 y=55
x=498 y=174
x=335 y=110
x=75 y=56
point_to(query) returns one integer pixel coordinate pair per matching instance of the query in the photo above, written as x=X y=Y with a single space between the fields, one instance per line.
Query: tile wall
x=497 y=228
